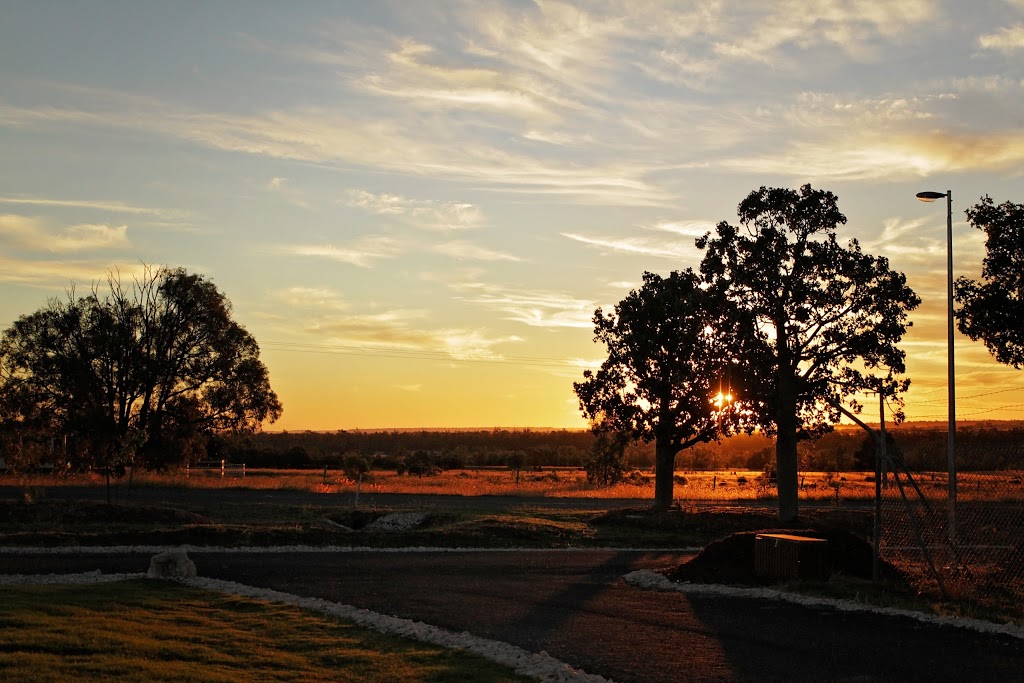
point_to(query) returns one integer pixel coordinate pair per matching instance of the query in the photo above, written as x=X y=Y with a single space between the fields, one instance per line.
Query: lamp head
x=930 y=196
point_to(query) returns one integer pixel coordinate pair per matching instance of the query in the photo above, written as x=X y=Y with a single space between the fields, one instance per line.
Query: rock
x=173 y=564
x=396 y=521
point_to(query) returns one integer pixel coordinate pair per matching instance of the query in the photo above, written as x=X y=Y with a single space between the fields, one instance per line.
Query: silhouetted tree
x=867 y=452
x=355 y=465
x=669 y=345
x=824 y=318
x=140 y=372
x=516 y=460
x=992 y=309
x=422 y=464
x=605 y=465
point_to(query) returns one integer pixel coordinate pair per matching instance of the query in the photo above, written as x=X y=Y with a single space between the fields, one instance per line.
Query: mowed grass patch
x=161 y=631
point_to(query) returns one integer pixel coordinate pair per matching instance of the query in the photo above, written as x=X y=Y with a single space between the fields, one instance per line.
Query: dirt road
x=574 y=605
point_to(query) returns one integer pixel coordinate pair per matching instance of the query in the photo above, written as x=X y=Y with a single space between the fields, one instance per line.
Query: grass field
x=690 y=486
x=555 y=483
x=161 y=631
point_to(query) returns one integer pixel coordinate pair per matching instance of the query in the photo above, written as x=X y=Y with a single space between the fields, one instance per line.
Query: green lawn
x=161 y=631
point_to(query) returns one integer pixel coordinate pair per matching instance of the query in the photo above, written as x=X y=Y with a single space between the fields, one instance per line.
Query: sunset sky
x=415 y=207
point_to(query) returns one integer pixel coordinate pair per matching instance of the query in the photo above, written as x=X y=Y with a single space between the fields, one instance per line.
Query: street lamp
x=951 y=380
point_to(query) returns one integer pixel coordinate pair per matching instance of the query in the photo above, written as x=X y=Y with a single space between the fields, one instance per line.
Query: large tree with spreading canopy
x=824 y=319
x=992 y=309
x=139 y=373
x=669 y=348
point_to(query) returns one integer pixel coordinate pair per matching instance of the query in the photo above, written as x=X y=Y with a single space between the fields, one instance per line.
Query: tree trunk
x=787 y=477
x=664 y=475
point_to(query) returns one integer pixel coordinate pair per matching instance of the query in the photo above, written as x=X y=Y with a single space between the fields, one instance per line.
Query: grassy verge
x=998 y=609
x=53 y=522
x=159 y=631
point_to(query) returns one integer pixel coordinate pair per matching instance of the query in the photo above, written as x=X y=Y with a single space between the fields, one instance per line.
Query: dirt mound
x=726 y=520
x=69 y=513
x=684 y=519
x=731 y=559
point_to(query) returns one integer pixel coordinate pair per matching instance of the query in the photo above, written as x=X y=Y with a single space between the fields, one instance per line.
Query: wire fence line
x=970 y=549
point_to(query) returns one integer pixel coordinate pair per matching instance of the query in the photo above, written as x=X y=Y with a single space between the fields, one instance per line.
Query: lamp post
x=951 y=380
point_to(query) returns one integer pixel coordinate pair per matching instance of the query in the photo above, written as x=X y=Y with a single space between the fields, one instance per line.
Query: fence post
x=880 y=455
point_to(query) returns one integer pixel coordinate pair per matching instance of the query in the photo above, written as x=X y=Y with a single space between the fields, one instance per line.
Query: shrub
x=605 y=463
x=354 y=465
x=422 y=464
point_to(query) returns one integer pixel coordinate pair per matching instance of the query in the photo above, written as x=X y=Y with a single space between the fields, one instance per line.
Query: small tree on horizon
x=670 y=345
x=605 y=464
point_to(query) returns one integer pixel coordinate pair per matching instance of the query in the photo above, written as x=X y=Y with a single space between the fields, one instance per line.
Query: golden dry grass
x=720 y=486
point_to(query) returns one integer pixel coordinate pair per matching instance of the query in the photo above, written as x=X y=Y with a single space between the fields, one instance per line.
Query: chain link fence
x=970 y=550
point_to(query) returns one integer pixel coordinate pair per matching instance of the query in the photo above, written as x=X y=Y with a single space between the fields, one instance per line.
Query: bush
x=355 y=465
x=635 y=478
x=605 y=464
x=422 y=464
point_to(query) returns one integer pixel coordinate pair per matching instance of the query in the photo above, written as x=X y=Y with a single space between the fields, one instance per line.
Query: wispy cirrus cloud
x=467 y=251
x=338 y=137
x=332 y=318
x=530 y=307
x=54 y=274
x=868 y=156
x=363 y=252
x=414 y=77
x=642 y=246
x=425 y=214
x=98 y=205
x=283 y=187
x=32 y=233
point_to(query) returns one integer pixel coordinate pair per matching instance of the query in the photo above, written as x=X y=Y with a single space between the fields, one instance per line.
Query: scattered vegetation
x=981 y=446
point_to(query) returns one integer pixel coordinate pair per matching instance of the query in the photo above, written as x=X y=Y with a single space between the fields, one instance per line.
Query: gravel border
x=541 y=666
x=156 y=549
x=645 y=578
x=65 y=579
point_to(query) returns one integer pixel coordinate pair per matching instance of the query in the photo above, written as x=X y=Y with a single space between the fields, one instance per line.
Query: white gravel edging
x=541 y=666
x=57 y=579
x=645 y=578
x=156 y=549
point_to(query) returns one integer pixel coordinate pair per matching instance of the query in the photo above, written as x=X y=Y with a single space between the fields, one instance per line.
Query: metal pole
x=951 y=380
x=879 y=459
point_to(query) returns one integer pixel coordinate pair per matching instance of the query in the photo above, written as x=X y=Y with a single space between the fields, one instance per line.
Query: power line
x=989 y=393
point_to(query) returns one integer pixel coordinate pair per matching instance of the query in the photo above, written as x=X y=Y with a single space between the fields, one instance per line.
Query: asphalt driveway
x=574 y=605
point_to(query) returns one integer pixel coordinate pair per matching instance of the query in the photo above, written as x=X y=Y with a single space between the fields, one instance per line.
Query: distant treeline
x=981 y=446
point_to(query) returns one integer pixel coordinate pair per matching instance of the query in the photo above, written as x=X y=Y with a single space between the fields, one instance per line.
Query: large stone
x=173 y=564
